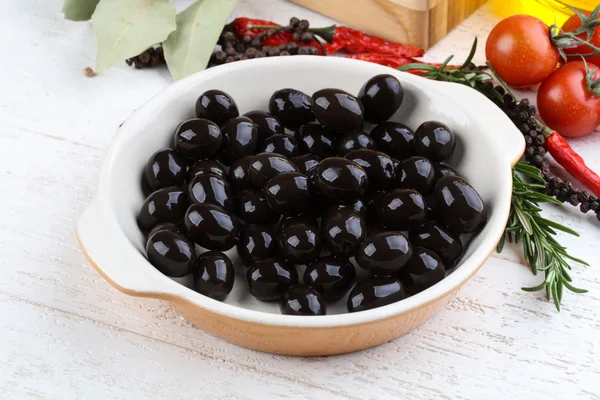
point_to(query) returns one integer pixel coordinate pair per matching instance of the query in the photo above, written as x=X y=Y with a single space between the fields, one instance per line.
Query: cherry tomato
x=572 y=24
x=520 y=50
x=564 y=102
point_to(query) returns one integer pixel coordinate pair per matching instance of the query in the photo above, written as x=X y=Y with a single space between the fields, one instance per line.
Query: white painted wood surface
x=65 y=333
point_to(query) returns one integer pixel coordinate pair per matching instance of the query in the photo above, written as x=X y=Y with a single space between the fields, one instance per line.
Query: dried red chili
x=244 y=26
x=572 y=162
x=354 y=41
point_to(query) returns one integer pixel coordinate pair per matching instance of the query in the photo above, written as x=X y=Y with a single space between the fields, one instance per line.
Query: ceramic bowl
x=489 y=144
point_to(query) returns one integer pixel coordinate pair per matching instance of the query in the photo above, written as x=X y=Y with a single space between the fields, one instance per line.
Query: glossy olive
x=434 y=141
x=338 y=110
x=292 y=107
x=343 y=231
x=316 y=139
x=416 y=173
x=167 y=226
x=288 y=193
x=458 y=205
x=164 y=205
x=211 y=226
x=256 y=242
x=441 y=170
x=299 y=241
x=330 y=276
x=381 y=97
x=402 y=209
x=206 y=167
x=302 y=300
x=269 y=279
x=394 y=139
x=240 y=138
x=214 y=275
x=211 y=189
x=431 y=208
x=164 y=168
x=306 y=162
x=252 y=207
x=198 y=138
x=216 y=106
x=385 y=253
x=423 y=270
x=378 y=166
x=280 y=143
x=354 y=141
x=171 y=253
x=439 y=239
x=372 y=200
x=374 y=292
x=266 y=124
x=358 y=206
x=239 y=176
x=340 y=179
x=265 y=166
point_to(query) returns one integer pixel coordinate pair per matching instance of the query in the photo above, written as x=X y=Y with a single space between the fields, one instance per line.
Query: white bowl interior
x=251 y=84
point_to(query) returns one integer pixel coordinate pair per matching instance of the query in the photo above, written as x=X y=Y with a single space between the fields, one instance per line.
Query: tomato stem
x=562 y=40
x=593 y=85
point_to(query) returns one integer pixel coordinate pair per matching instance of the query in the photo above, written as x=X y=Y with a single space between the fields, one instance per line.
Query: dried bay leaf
x=79 y=10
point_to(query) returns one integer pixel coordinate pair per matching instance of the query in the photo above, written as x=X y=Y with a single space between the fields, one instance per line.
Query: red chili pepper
x=354 y=41
x=382 y=59
x=240 y=26
x=572 y=162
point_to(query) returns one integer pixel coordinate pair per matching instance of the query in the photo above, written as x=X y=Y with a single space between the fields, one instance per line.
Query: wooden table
x=65 y=333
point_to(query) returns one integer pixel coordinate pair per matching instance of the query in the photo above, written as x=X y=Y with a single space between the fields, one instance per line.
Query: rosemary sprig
x=525 y=224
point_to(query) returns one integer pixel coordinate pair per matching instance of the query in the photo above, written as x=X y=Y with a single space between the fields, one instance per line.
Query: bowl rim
x=172 y=291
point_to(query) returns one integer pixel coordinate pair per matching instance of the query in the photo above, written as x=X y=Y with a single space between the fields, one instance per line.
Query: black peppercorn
x=306 y=37
x=247 y=39
x=294 y=22
x=296 y=36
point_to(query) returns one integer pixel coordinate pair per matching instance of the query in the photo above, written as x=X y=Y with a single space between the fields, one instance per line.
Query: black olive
x=265 y=166
x=252 y=207
x=358 y=206
x=239 y=174
x=441 y=170
x=381 y=97
x=171 y=253
x=256 y=242
x=372 y=199
x=206 y=167
x=374 y=292
x=240 y=138
x=402 y=209
x=439 y=239
x=292 y=107
x=316 y=139
x=458 y=205
x=306 y=162
x=338 y=110
x=269 y=279
x=302 y=300
x=216 y=106
x=343 y=231
x=288 y=193
x=378 y=166
x=164 y=205
x=416 y=173
x=374 y=230
x=340 y=179
x=267 y=124
x=167 y=226
x=280 y=143
x=299 y=240
x=214 y=275
x=211 y=226
x=211 y=189
x=431 y=209
x=164 y=168
x=423 y=270
x=434 y=141
x=354 y=141
x=394 y=139
x=385 y=253
x=330 y=276
x=198 y=138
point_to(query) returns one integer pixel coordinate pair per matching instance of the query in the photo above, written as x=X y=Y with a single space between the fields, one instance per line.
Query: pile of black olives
x=303 y=187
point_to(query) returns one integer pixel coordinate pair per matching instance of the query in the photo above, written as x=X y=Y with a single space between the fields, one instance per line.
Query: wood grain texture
x=67 y=334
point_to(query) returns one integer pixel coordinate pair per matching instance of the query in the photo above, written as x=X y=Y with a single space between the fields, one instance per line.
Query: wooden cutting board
x=418 y=22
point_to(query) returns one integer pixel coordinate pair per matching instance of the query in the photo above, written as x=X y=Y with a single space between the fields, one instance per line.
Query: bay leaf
x=79 y=10
x=124 y=29
x=188 y=49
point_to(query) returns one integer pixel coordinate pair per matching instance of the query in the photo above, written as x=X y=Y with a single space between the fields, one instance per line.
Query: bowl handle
x=116 y=264
x=512 y=139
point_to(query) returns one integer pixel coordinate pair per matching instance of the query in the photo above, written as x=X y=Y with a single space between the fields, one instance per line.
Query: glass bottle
x=550 y=11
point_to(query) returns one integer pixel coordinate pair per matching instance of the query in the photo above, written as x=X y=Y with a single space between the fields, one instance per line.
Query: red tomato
x=520 y=50
x=572 y=24
x=564 y=102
